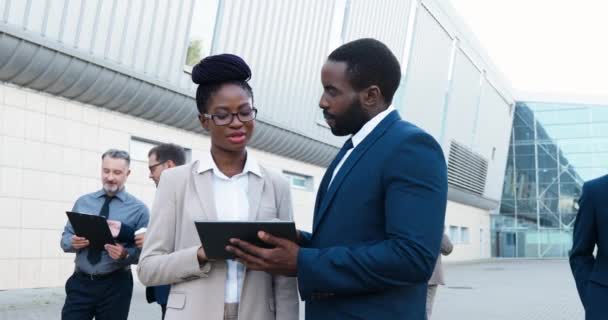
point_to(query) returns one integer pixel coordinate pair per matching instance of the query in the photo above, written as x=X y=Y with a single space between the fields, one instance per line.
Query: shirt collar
x=206 y=163
x=370 y=126
x=122 y=194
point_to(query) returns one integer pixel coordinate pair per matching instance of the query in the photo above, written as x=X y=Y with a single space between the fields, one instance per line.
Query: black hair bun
x=220 y=68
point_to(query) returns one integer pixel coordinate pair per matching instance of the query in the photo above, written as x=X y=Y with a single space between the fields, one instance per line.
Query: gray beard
x=111 y=189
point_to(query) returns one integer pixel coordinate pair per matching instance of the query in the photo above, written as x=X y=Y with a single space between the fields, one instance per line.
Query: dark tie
x=330 y=170
x=347 y=146
x=94 y=255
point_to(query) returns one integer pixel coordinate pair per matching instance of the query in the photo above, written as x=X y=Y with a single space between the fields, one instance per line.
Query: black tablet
x=93 y=228
x=215 y=235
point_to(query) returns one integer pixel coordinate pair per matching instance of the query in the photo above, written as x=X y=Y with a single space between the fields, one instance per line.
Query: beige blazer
x=169 y=252
x=446 y=249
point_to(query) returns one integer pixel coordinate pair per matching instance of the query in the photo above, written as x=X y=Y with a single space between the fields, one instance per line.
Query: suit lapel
x=203 y=186
x=321 y=192
x=350 y=162
x=254 y=194
x=325 y=183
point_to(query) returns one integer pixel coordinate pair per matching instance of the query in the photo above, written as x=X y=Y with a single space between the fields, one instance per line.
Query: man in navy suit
x=380 y=208
x=161 y=157
x=591 y=230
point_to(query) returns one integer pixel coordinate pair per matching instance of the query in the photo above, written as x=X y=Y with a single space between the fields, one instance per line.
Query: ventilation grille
x=466 y=169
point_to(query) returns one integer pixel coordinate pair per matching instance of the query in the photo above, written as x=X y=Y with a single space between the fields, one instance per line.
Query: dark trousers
x=596 y=296
x=160 y=295
x=108 y=298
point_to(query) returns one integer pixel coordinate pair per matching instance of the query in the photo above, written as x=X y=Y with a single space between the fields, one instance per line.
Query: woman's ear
x=204 y=122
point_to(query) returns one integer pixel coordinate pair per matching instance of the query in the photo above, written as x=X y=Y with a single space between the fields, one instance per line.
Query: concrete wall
x=478 y=244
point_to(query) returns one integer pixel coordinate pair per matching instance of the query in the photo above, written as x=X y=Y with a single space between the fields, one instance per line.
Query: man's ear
x=371 y=97
x=171 y=164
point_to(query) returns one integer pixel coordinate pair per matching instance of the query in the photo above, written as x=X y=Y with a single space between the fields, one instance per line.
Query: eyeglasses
x=152 y=167
x=226 y=118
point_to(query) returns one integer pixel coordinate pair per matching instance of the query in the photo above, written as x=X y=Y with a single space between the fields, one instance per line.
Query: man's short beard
x=351 y=121
x=111 y=188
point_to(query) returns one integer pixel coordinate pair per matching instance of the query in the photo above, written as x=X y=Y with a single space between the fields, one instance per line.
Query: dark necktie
x=347 y=146
x=332 y=167
x=94 y=255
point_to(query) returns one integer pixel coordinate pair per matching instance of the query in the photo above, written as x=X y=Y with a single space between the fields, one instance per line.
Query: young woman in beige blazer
x=226 y=184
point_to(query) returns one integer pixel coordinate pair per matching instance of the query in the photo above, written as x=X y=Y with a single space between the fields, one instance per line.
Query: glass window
x=599 y=114
x=455 y=234
x=464 y=235
x=299 y=181
x=139 y=148
x=555 y=148
x=202 y=29
x=510 y=237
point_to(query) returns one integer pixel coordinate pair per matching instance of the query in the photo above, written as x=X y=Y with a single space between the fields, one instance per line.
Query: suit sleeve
x=134 y=252
x=415 y=195
x=305 y=238
x=127 y=233
x=285 y=288
x=583 y=242
x=159 y=263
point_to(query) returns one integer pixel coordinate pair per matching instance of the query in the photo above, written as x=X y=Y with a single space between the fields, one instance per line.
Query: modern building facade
x=79 y=77
x=555 y=147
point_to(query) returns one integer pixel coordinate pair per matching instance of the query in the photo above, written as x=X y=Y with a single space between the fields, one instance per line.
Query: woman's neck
x=228 y=162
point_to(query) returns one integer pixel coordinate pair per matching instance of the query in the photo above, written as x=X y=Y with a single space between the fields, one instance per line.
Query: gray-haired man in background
x=102 y=284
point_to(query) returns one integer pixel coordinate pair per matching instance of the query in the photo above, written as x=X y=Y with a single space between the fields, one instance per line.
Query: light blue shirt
x=124 y=208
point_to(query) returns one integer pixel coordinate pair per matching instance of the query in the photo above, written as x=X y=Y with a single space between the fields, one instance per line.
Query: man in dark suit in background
x=591 y=230
x=380 y=208
x=160 y=158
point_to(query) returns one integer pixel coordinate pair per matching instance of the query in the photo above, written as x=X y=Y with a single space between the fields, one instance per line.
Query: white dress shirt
x=231 y=203
x=367 y=128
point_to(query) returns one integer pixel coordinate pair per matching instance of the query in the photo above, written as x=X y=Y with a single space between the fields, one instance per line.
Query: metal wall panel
x=120 y=20
x=54 y=18
x=146 y=35
x=463 y=101
x=385 y=20
x=427 y=75
x=102 y=28
x=87 y=20
x=492 y=137
x=285 y=43
x=158 y=28
x=35 y=14
x=68 y=33
x=16 y=12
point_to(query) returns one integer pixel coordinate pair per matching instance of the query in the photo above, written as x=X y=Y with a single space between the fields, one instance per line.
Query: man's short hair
x=117 y=154
x=169 y=151
x=369 y=62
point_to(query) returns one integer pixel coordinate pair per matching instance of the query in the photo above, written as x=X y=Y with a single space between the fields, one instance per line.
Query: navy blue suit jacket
x=158 y=294
x=377 y=229
x=591 y=229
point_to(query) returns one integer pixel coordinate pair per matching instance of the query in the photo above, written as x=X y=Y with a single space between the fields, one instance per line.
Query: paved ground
x=497 y=290
x=509 y=289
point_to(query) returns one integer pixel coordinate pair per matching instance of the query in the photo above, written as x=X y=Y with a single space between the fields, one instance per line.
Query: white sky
x=547 y=46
